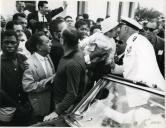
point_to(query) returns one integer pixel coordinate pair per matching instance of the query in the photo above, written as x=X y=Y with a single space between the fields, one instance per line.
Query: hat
x=108 y=24
x=131 y=23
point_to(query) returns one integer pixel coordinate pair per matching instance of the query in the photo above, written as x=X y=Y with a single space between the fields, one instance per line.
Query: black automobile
x=116 y=102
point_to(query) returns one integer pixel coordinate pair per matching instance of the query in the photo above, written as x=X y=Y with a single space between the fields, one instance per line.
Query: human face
x=83 y=31
x=150 y=28
x=122 y=33
x=96 y=30
x=69 y=21
x=9 y=44
x=112 y=33
x=20 y=7
x=80 y=18
x=45 y=47
x=44 y=10
x=22 y=21
x=18 y=29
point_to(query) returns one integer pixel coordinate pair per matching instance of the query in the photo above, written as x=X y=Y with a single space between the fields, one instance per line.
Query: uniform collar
x=132 y=38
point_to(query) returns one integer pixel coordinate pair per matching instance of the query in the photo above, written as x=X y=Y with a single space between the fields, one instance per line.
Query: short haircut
x=40 y=25
x=79 y=23
x=41 y=3
x=15 y=16
x=78 y=16
x=99 y=19
x=34 y=40
x=70 y=36
x=54 y=25
x=8 y=33
x=85 y=16
x=68 y=17
x=95 y=27
x=10 y=25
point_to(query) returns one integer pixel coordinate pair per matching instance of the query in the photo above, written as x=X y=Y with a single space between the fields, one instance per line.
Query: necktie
x=43 y=17
x=48 y=68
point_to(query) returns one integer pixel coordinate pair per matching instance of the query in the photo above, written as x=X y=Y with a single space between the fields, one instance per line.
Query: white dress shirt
x=40 y=17
x=43 y=63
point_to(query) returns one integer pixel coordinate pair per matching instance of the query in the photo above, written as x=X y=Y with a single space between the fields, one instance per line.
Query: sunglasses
x=150 y=29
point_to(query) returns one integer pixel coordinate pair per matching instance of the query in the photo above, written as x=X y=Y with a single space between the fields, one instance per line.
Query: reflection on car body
x=116 y=102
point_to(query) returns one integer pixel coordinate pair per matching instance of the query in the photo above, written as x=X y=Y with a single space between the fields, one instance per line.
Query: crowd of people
x=48 y=66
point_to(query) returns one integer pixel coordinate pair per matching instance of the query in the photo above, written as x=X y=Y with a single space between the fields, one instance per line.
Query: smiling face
x=22 y=21
x=18 y=29
x=44 y=9
x=83 y=31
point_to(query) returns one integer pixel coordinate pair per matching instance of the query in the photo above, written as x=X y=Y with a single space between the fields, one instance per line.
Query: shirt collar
x=71 y=52
x=121 y=55
x=41 y=58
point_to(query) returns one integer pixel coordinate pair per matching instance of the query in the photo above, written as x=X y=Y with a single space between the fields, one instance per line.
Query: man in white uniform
x=139 y=62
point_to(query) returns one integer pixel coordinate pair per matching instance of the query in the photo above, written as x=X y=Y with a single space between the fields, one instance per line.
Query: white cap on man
x=108 y=24
x=131 y=23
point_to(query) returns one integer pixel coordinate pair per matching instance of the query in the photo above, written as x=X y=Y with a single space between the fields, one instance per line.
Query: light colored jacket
x=35 y=83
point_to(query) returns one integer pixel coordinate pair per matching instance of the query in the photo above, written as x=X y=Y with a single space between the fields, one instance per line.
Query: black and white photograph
x=83 y=63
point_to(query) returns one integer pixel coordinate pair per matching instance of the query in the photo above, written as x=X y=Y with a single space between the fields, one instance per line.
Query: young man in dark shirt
x=70 y=77
x=12 y=68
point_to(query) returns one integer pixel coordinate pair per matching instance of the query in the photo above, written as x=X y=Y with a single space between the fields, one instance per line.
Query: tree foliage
x=142 y=13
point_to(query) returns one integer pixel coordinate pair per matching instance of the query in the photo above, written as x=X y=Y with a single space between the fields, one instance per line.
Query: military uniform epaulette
x=134 y=38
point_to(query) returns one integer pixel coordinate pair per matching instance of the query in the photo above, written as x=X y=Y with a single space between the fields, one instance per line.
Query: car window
x=113 y=104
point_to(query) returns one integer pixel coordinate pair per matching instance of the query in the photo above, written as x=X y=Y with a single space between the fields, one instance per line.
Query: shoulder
x=32 y=14
x=77 y=60
x=21 y=57
x=30 y=60
x=140 y=40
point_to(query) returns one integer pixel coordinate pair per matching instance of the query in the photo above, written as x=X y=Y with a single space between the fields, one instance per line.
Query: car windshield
x=113 y=104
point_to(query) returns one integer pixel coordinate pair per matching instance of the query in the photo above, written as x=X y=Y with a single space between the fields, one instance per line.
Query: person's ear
x=38 y=47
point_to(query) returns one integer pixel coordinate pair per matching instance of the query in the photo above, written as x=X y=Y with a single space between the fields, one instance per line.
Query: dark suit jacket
x=119 y=60
x=56 y=52
x=35 y=83
x=158 y=44
x=49 y=16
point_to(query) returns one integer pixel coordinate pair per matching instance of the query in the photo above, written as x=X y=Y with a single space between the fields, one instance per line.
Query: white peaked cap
x=108 y=24
x=131 y=23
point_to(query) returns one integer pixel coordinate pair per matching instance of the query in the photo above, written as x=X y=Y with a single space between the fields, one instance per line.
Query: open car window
x=117 y=103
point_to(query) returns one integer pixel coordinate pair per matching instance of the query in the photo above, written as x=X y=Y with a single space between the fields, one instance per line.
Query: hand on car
x=51 y=116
